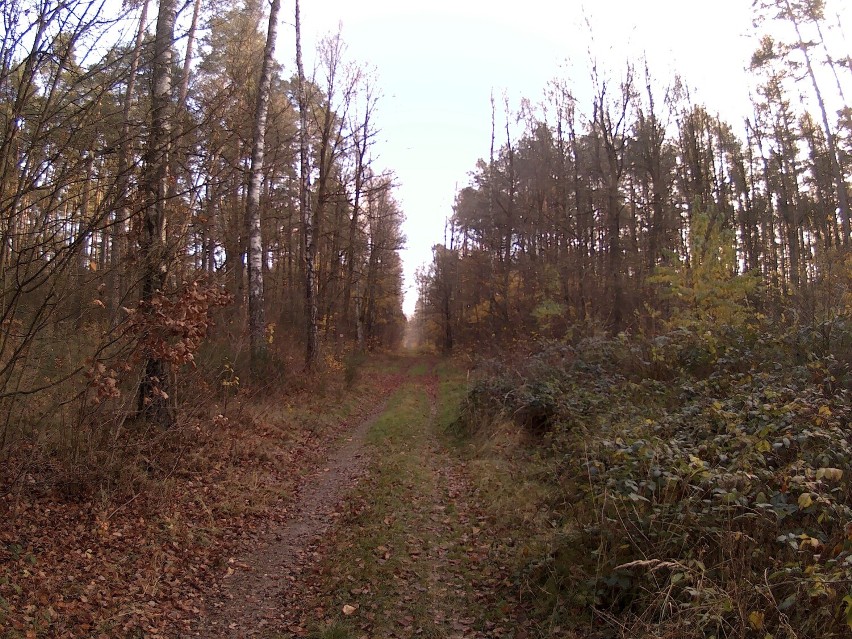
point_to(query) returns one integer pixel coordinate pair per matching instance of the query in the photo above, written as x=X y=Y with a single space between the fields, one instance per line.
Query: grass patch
x=452 y=388
x=405 y=418
x=509 y=477
x=418 y=370
x=412 y=557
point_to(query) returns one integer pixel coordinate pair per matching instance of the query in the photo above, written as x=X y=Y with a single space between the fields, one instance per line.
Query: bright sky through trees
x=438 y=62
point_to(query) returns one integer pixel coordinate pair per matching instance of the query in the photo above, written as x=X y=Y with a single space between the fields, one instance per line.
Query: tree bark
x=309 y=241
x=153 y=397
x=257 y=323
x=187 y=59
x=362 y=135
x=122 y=213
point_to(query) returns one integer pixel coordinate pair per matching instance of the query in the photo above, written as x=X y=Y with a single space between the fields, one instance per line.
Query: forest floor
x=385 y=539
x=334 y=514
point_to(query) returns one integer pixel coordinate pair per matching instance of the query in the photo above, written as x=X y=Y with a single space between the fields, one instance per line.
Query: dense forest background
x=641 y=204
x=137 y=198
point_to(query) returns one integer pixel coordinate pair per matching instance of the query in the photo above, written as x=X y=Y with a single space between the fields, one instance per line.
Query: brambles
x=694 y=490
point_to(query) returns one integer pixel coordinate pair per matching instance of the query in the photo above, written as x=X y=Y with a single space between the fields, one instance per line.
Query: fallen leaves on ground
x=105 y=564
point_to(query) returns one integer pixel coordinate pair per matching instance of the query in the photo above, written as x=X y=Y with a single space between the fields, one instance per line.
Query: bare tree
x=362 y=135
x=610 y=127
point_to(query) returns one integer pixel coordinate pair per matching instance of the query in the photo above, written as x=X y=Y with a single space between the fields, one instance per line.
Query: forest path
x=254 y=583
x=412 y=556
x=384 y=540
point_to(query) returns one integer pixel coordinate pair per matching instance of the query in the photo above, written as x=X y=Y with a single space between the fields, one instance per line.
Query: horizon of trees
x=642 y=205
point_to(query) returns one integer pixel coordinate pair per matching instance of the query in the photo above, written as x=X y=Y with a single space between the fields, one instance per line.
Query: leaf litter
x=168 y=559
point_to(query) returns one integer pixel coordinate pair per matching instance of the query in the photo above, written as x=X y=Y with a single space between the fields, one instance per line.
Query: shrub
x=352 y=364
x=698 y=481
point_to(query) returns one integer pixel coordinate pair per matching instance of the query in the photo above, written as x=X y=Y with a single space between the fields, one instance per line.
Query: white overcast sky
x=439 y=60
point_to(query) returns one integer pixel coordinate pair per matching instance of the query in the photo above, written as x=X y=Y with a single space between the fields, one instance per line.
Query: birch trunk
x=257 y=323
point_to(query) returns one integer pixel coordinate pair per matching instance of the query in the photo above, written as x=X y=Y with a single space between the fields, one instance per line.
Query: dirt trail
x=413 y=556
x=253 y=589
x=457 y=552
x=407 y=554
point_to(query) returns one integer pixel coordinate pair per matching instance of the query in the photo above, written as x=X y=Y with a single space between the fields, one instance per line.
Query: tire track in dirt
x=436 y=576
x=252 y=589
x=459 y=561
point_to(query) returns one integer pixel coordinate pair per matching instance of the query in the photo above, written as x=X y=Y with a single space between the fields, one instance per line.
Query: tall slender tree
x=797 y=13
x=122 y=212
x=257 y=323
x=153 y=390
x=309 y=237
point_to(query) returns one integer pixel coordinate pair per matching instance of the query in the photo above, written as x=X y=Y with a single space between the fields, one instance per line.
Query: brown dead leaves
x=92 y=563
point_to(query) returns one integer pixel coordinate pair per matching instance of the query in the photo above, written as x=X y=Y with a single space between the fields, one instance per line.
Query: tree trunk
x=187 y=59
x=360 y=151
x=312 y=348
x=119 y=241
x=153 y=387
x=257 y=323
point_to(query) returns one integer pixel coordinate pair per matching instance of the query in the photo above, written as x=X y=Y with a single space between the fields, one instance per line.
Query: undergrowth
x=693 y=484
